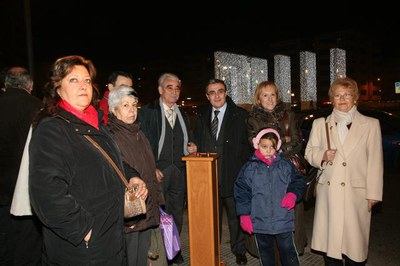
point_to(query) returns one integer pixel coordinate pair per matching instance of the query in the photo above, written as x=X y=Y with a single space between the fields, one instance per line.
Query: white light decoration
x=241 y=74
x=308 y=77
x=282 y=76
x=259 y=72
x=337 y=64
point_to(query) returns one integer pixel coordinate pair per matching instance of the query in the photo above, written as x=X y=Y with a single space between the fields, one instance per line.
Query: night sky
x=118 y=34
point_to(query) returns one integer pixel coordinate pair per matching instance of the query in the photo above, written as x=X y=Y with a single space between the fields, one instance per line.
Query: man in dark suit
x=167 y=128
x=221 y=128
x=20 y=236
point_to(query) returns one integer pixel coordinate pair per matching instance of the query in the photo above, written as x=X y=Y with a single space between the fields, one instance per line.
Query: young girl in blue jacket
x=265 y=191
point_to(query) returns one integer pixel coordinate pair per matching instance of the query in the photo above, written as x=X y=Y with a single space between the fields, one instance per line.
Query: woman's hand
x=329 y=155
x=142 y=190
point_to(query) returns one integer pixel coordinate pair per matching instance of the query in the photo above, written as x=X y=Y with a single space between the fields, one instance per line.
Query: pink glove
x=246 y=224
x=288 y=201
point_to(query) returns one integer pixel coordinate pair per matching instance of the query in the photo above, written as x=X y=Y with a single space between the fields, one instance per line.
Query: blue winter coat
x=259 y=190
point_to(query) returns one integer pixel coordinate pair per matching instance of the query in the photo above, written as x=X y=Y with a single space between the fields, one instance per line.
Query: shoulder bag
x=133 y=205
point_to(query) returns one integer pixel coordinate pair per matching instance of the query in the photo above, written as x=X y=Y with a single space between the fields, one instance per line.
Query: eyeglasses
x=172 y=89
x=344 y=95
x=214 y=93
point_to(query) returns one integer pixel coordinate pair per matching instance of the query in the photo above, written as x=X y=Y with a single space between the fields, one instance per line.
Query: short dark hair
x=112 y=78
x=215 y=81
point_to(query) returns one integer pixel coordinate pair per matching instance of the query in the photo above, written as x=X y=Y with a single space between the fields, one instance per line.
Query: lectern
x=203 y=215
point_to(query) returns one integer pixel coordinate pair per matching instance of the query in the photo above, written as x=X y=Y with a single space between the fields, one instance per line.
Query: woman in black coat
x=74 y=190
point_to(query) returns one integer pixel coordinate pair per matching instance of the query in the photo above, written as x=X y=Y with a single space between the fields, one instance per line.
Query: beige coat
x=341 y=220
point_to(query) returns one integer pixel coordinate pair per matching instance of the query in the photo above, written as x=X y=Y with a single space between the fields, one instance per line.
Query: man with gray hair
x=167 y=127
x=20 y=236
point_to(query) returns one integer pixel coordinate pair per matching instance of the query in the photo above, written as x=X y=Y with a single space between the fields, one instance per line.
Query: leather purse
x=133 y=206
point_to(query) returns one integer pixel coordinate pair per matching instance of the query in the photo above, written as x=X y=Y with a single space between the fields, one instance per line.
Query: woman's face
x=127 y=110
x=343 y=99
x=268 y=98
x=76 y=88
x=266 y=148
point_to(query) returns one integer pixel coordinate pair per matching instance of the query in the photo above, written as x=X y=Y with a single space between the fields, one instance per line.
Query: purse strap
x=327 y=135
x=109 y=160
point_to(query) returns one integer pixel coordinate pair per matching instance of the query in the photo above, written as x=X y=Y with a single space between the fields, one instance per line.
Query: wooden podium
x=203 y=214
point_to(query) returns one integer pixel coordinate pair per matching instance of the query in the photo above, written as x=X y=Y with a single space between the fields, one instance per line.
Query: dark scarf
x=272 y=118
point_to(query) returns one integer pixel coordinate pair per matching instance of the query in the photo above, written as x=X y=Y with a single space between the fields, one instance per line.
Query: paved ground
x=384 y=240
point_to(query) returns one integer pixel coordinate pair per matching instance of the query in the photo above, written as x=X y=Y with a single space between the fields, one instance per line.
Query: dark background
x=128 y=34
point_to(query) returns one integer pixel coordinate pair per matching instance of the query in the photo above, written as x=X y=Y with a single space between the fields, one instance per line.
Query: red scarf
x=89 y=115
x=268 y=161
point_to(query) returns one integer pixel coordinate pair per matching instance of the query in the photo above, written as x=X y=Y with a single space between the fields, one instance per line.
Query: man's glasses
x=214 y=93
x=172 y=89
x=344 y=95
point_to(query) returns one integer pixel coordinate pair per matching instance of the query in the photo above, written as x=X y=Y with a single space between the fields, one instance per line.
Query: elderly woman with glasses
x=136 y=152
x=348 y=150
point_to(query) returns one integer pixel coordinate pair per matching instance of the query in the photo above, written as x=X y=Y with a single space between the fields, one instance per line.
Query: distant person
x=74 y=189
x=168 y=130
x=268 y=111
x=352 y=178
x=266 y=191
x=20 y=236
x=136 y=151
x=116 y=79
x=229 y=141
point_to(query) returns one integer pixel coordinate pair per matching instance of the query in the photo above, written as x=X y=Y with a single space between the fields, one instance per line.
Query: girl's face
x=268 y=98
x=266 y=148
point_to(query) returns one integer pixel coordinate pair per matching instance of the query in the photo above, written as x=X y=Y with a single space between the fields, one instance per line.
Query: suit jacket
x=150 y=120
x=232 y=143
x=342 y=221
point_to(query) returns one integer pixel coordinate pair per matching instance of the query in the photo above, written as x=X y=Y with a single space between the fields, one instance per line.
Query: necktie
x=170 y=117
x=214 y=124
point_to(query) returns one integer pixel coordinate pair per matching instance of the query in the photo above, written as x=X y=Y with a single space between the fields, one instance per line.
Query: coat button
x=329 y=182
x=342 y=184
x=330 y=162
x=344 y=164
